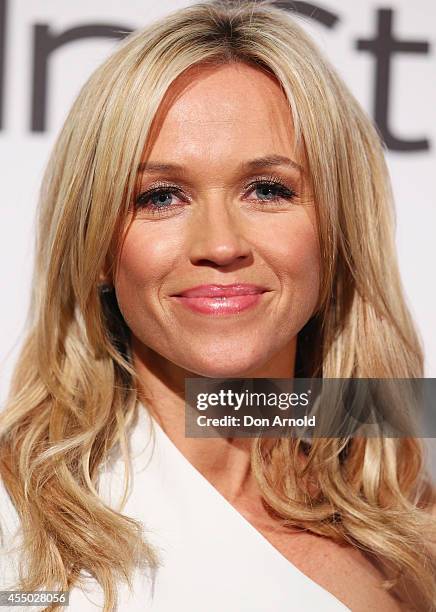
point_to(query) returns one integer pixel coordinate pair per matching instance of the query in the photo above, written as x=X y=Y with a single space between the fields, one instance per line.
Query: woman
x=217 y=205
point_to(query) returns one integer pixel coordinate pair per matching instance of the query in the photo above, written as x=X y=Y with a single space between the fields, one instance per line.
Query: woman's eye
x=160 y=200
x=269 y=191
x=157 y=200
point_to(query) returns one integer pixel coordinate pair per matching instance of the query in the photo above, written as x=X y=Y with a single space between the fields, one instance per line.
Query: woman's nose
x=217 y=236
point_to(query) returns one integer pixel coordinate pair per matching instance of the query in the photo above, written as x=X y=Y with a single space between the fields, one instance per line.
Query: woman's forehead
x=212 y=112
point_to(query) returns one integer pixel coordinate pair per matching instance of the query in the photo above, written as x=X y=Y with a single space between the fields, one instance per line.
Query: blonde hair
x=73 y=394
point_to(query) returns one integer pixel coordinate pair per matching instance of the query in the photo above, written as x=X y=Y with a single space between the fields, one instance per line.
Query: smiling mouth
x=219 y=300
x=220 y=305
x=221 y=291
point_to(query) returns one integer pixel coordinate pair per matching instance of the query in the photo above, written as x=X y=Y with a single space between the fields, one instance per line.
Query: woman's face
x=222 y=216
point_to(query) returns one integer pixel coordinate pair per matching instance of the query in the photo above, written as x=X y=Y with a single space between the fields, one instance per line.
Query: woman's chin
x=233 y=368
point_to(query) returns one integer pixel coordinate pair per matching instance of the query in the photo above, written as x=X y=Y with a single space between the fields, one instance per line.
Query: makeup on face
x=219 y=268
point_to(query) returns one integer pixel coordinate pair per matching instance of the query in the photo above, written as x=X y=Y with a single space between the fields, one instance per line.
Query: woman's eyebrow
x=267 y=161
x=271 y=161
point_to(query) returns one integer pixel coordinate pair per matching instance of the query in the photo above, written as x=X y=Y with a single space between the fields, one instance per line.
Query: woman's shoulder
x=356 y=579
x=340 y=568
x=358 y=576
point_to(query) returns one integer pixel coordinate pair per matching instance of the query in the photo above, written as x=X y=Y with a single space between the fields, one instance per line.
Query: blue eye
x=160 y=200
x=276 y=190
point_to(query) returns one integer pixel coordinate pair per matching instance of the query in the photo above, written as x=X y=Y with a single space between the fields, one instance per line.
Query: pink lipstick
x=221 y=299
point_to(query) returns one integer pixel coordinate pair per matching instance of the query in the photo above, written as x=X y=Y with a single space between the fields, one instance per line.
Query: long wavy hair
x=74 y=391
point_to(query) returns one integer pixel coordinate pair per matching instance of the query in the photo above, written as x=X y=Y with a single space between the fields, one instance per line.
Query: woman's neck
x=224 y=462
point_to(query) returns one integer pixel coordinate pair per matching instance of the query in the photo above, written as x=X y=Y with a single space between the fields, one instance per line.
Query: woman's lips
x=220 y=299
x=220 y=305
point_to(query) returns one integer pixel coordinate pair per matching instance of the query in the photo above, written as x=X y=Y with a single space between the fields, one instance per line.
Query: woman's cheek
x=147 y=257
x=148 y=253
x=293 y=247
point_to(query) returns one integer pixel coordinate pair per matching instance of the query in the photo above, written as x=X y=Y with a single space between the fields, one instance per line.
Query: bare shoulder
x=343 y=570
x=348 y=574
x=352 y=576
x=357 y=581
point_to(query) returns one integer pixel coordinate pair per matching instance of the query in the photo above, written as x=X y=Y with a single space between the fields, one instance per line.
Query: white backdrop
x=410 y=117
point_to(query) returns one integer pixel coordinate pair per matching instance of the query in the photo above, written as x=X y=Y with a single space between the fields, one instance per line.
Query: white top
x=212 y=558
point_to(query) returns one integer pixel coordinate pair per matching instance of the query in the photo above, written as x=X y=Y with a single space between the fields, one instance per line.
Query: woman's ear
x=105 y=277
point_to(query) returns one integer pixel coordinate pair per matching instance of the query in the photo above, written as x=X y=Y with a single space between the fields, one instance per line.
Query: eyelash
x=270 y=181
